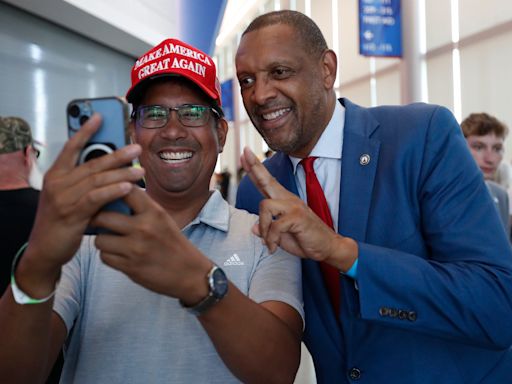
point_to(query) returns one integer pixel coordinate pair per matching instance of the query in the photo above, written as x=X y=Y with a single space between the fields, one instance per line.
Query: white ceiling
x=129 y=26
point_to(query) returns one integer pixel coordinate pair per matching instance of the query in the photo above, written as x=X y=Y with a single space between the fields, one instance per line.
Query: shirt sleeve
x=352 y=272
x=278 y=278
x=68 y=296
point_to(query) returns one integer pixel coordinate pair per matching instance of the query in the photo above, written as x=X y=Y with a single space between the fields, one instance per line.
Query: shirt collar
x=328 y=145
x=215 y=213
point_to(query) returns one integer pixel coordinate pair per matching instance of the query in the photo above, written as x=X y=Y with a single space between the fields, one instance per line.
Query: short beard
x=286 y=146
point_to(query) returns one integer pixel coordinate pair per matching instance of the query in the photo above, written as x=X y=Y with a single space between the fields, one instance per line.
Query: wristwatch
x=217 y=289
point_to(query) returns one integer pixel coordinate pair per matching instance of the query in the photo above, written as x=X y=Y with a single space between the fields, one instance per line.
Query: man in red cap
x=180 y=291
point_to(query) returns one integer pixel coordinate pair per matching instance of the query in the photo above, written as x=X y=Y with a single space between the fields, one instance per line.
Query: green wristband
x=19 y=296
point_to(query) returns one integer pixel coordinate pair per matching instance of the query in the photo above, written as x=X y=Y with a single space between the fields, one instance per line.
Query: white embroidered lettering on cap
x=190 y=65
x=173 y=57
x=171 y=48
x=184 y=51
x=154 y=67
x=149 y=69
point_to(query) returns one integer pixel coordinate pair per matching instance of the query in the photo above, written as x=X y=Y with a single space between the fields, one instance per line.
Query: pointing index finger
x=261 y=178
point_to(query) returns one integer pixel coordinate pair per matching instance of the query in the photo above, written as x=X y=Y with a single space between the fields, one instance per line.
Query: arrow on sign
x=368 y=35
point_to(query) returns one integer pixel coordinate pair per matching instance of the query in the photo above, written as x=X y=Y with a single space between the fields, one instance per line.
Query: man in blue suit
x=425 y=269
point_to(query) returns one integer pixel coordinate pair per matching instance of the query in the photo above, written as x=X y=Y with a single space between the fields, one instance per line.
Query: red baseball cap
x=173 y=57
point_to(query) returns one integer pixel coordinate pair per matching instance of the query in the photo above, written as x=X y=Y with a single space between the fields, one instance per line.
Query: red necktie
x=318 y=204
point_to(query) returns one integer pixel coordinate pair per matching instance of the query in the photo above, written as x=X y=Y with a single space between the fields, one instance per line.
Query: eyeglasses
x=157 y=116
x=35 y=151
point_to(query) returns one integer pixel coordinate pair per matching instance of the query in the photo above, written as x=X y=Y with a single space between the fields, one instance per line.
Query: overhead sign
x=380 y=28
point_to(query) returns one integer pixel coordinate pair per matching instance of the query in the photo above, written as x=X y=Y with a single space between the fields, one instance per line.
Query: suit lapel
x=359 y=164
x=358 y=168
x=315 y=295
x=281 y=168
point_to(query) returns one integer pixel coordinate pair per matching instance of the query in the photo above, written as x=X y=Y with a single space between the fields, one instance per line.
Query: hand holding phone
x=112 y=135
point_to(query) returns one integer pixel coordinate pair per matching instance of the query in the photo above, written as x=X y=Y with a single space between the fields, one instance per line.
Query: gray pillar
x=412 y=68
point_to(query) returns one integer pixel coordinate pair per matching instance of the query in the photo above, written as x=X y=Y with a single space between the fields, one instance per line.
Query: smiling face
x=179 y=159
x=287 y=92
x=487 y=150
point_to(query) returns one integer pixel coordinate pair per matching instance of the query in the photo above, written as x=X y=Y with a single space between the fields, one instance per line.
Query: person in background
x=178 y=292
x=407 y=273
x=18 y=200
x=485 y=136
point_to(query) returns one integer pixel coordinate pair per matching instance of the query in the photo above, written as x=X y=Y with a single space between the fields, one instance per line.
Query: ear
x=222 y=132
x=329 y=63
x=27 y=152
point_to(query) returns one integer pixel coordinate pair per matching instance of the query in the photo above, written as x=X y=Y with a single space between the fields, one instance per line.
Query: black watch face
x=220 y=283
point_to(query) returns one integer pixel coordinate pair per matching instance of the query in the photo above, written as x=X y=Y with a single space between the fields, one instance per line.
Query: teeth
x=275 y=114
x=173 y=156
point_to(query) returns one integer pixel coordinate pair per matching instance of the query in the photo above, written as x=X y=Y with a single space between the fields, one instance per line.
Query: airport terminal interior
x=456 y=53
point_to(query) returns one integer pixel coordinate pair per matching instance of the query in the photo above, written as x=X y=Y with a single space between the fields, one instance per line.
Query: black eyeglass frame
x=136 y=113
x=34 y=150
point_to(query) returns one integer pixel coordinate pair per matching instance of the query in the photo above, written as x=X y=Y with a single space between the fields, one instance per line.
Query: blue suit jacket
x=433 y=300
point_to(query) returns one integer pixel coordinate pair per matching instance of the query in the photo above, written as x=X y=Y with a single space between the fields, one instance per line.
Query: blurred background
x=457 y=53
x=52 y=51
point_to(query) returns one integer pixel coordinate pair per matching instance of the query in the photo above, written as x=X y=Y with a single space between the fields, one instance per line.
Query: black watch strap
x=217 y=289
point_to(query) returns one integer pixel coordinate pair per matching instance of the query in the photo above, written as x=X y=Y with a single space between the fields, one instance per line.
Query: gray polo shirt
x=120 y=332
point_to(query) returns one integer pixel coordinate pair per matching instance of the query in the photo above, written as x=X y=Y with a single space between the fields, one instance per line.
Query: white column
x=413 y=67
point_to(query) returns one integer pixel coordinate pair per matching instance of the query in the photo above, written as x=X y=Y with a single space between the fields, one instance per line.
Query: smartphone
x=112 y=134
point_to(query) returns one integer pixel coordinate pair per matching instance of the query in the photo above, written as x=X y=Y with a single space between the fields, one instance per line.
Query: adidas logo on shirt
x=233 y=260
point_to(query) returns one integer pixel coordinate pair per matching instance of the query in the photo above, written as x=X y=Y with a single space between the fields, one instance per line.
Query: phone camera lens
x=83 y=119
x=74 y=111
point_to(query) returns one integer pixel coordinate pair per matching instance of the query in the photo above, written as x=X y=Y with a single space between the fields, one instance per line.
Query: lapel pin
x=364 y=159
